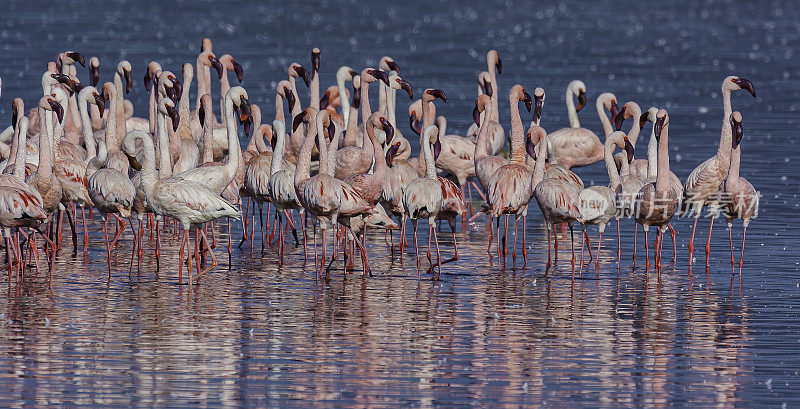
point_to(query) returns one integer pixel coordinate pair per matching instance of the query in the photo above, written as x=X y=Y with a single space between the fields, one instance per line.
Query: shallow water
x=264 y=334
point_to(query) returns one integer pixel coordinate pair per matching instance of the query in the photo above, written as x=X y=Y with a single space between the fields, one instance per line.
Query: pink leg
x=741 y=258
x=708 y=241
x=646 y=251
x=691 y=239
x=674 y=245
x=524 y=246
x=619 y=245
x=730 y=238
x=85 y=231
x=599 y=243
x=438 y=255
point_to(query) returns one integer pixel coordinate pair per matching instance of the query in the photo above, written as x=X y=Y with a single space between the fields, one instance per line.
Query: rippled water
x=264 y=334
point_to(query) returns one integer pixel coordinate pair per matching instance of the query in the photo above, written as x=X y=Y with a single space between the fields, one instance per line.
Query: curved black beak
x=388 y=128
x=499 y=65
x=642 y=120
x=538 y=105
x=64 y=79
x=324 y=101
x=77 y=57
x=133 y=161
x=393 y=66
x=58 y=109
x=658 y=126
x=738 y=132
x=128 y=81
x=629 y=149
x=391 y=153
x=619 y=119
x=331 y=131
x=172 y=94
x=94 y=75
x=178 y=85
x=530 y=147
x=100 y=102
x=745 y=84
x=78 y=86
x=58 y=65
x=414 y=124
x=201 y=113
x=302 y=72
x=173 y=115
x=289 y=98
x=315 y=58
x=406 y=86
x=528 y=101
x=248 y=123
x=148 y=82
x=217 y=66
x=381 y=75
x=581 y=100
x=244 y=106
x=614 y=110
x=476 y=115
x=238 y=70
x=437 y=148
x=297 y=121
x=487 y=88
x=439 y=94
x=14 y=117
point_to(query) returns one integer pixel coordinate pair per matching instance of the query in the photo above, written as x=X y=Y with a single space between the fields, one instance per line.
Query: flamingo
x=509 y=188
x=422 y=198
x=280 y=185
x=702 y=185
x=576 y=146
x=742 y=198
x=186 y=201
x=657 y=202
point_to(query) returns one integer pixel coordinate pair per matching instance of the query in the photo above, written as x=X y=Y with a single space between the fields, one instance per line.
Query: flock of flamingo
x=81 y=146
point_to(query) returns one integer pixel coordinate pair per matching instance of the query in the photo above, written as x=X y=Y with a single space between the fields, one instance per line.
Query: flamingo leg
x=599 y=243
x=180 y=257
x=646 y=250
x=230 y=245
x=555 y=246
x=635 y=239
x=730 y=238
x=438 y=255
x=572 y=241
x=416 y=247
x=8 y=256
x=588 y=244
x=674 y=245
x=85 y=230
x=524 y=246
x=72 y=229
x=477 y=189
x=214 y=262
x=120 y=230
x=491 y=236
x=455 y=246
x=261 y=221
x=580 y=269
x=246 y=221
x=708 y=241
x=548 y=248
x=691 y=239
x=108 y=246
x=619 y=244
x=464 y=216
x=514 y=251
x=741 y=257
x=324 y=253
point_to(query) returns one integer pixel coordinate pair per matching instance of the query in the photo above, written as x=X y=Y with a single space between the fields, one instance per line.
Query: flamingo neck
x=662 y=179
x=111 y=126
x=45 y=168
x=203 y=72
x=571 y=111
x=165 y=157
x=482 y=144
x=303 y=170
x=224 y=87
x=366 y=110
x=313 y=90
x=430 y=164
x=517 y=133
x=733 y=173
x=495 y=112
x=541 y=159
x=208 y=138
x=277 y=153
x=428 y=113
x=340 y=84
x=652 y=155
x=601 y=112
x=611 y=167
x=234 y=147
x=184 y=128
x=22 y=149
x=726 y=138
x=86 y=129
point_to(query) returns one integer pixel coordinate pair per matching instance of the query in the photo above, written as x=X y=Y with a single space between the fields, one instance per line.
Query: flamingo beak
x=391 y=152
x=499 y=65
x=659 y=125
x=173 y=115
x=247 y=123
x=629 y=149
x=14 y=117
x=331 y=131
x=244 y=106
x=94 y=76
x=746 y=85
x=614 y=109
x=237 y=68
x=476 y=115
x=393 y=66
x=201 y=113
x=414 y=124
x=315 y=58
x=133 y=161
x=738 y=132
x=642 y=120
x=64 y=79
x=356 y=98
x=100 y=102
x=530 y=147
x=406 y=86
x=128 y=81
x=388 y=128
x=172 y=94
x=57 y=108
x=297 y=121
x=528 y=101
x=289 y=97
x=302 y=72
x=537 y=109
x=487 y=88
x=77 y=57
x=581 y=100
x=176 y=83
x=384 y=77
x=217 y=66
x=439 y=94
x=437 y=148
x=619 y=119
x=324 y=101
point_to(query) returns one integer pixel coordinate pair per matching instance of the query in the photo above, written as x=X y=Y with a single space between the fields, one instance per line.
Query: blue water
x=256 y=333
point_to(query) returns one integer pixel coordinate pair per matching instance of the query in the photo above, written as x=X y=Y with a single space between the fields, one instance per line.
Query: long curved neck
x=208 y=139
x=277 y=154
x=428 y=113
x=148 y=172
x=303 y=171
x=184 y=128
x=430 y=163
x=541 y=159
x=86 y=128
x=601 y=112
x=733 y=173
x=21 y=157
x=725 y=139
x=517 y=133
x=482 y=144
x=652 y=155
x=379 y=171
x=611 y=167
x=340 y=84
x=573 y=114
x=234 y=148
x=111 y=126
x=313 y=90
x=633 y=134
x=662 y=180
x=366 y=111
x=391 y=105
x=297 y=105
x=45 y=145
x=224 y=87
x=152 y=110
x=74 y=120
x=203 y=72
x=331 y=154
x=279 y=114
x=495 y=112
x=165 y=157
